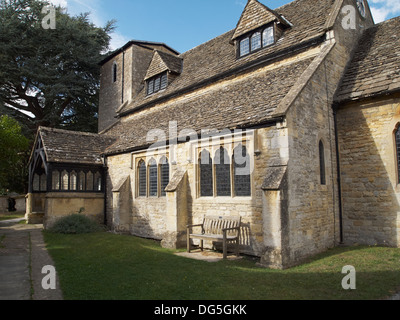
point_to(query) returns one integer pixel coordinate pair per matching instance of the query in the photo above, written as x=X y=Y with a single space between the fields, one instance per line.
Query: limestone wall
x=63 y=204
x=147 y=216
x=371 y=194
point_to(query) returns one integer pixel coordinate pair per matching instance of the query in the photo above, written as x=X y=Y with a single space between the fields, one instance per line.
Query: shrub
x=76 y=224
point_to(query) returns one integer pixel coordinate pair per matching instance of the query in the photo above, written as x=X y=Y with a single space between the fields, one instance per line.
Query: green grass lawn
x=104 y=266
x=10 y=216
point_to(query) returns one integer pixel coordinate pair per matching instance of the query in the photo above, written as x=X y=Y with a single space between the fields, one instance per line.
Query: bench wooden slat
x=217 y=228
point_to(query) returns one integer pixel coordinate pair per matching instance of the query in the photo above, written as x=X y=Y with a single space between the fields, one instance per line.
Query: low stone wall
x=20 y=204
x=59 y=205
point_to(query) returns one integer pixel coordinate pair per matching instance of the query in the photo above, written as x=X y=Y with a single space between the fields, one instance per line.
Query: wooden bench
x=218 y=229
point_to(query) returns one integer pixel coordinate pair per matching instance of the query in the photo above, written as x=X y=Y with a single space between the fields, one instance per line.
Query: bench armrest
x=194 y=225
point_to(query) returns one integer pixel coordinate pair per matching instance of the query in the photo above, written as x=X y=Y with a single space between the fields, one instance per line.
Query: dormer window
x=256 y=40
x=157 y=83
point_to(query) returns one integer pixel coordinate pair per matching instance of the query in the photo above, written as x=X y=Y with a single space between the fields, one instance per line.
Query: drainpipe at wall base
x=339 y=179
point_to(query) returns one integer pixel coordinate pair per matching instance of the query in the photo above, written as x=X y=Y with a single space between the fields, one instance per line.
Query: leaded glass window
x=153 y=178
x=256 y=41
x=222 y=173
x=244 y=47
x=164 y=173
x=89 y=181
x=55 y=180
x=64 y=181
x=206 y=175
x=142 y=171
x=73 y=181
x=36 y=182
x=82 y=181
x=97 y=181
x=164 y=81
x=268 y=36
x=150 y=87
x=241 y=172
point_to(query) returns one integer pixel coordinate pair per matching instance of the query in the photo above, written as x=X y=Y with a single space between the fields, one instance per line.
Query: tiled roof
x=255 y=15
x=230 y=106
x=218 y=55
x=163 y=62
x=63 y=146
x=375 y=67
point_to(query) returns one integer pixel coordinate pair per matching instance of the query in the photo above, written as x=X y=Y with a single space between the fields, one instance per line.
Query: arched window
x=43 y=182
x=241 y=172
x=205 y=174
x=73 y=181
x=97 y=181
x=114 y=72
x=164 y=175
x=36 y=182
x=322 y=163
x=153 y=178
x=397 y=138
x=64 y=181
x=82 y=181
x=89 y=181
x=142 y=172
x=222 y=173
x=55 y=180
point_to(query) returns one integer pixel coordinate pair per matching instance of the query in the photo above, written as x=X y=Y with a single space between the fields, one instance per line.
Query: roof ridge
x=41 y=128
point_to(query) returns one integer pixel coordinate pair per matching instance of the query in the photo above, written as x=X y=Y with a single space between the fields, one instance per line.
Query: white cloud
x=61 y=3
x=117 y=41
x=384 y=9
x=75 y=7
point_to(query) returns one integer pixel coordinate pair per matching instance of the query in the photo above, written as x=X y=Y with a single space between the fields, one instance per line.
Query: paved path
x=22 y=257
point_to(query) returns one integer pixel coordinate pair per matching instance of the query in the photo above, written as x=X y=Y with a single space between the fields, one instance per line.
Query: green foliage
x=14 y=148
x=51 y=73
x=76 y=223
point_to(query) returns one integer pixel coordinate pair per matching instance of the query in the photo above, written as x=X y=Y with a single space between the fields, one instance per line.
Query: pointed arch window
x=164 y=175
x=241 y=172
x=153 y=178
x=322 y=163
x=142 y=172
x=222 y=173
x=205 y=174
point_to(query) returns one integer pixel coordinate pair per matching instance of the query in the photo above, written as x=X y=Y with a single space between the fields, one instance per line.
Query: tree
x=50 y=77
x=14 y=149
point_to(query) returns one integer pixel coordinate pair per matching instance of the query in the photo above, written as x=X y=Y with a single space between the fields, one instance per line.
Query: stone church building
x=291 y=121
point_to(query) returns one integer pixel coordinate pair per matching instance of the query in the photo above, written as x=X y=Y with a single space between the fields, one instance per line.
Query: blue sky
x=182 y=24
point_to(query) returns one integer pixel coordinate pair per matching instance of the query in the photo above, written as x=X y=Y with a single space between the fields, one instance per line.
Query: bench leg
x=225 y=247
x=202 y=245
x=188 y=242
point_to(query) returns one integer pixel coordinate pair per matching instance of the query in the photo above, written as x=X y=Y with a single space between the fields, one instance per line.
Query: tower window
x=322 y=163
x=114 y=72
